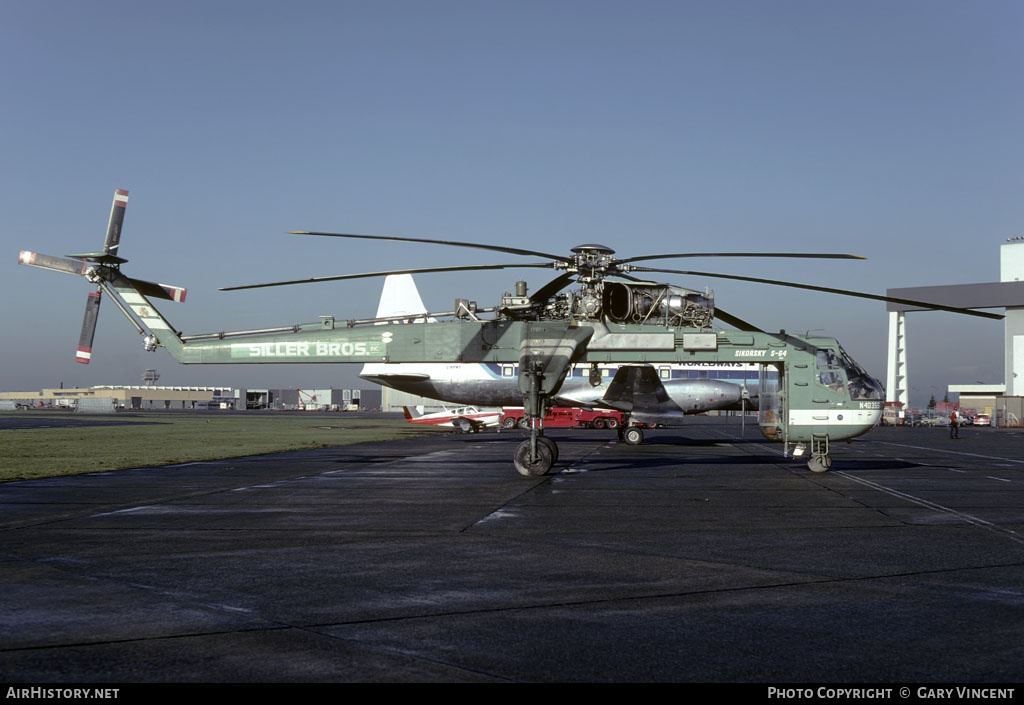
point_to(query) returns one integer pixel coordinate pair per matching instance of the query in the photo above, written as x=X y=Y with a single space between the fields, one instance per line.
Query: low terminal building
x=125 y=397
x=989 y=399
x=168 y=398
x=309 y=399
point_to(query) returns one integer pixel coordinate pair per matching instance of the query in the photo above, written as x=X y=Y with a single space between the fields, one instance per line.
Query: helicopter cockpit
x=858 y=384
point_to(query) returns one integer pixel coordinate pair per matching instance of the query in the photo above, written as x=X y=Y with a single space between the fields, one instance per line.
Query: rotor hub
x=593 y=261
x=593 y=249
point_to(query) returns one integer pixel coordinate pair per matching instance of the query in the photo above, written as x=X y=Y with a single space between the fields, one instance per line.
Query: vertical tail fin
x=400 y=297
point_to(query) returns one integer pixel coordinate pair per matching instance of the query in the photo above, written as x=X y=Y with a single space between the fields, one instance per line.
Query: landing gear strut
x=820 y=460
x=547 y=351
x=536 y=455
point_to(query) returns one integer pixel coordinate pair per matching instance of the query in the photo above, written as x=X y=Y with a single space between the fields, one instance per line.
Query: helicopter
x=818 y=394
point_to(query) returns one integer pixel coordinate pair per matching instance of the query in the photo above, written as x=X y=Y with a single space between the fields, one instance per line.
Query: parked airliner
x=648 y=393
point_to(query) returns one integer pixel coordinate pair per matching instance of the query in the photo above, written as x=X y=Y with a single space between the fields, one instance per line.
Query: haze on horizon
x=890 y=130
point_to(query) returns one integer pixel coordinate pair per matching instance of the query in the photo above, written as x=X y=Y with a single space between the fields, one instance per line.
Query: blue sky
x=886 y=129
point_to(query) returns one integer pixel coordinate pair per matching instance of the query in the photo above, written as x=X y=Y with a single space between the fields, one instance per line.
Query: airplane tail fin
x=413 y=413
x=400 y=297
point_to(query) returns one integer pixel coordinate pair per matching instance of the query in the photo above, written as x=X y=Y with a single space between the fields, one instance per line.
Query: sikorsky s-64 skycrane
x=819 y=394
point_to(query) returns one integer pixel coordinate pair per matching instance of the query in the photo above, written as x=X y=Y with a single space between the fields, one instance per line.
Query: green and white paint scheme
x=816 y=395
x=821 y=394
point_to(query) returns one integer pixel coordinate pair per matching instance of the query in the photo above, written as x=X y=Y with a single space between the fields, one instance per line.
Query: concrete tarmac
x=699 y=556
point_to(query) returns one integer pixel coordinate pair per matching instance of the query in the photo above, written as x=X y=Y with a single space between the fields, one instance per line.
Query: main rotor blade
x=92 y=311
x=829 y=290
x=551 y=288
x=801 y=255
x=422 y=270
x=55 y=264
x=735 y=321
x=475 y=245
x=116 y=221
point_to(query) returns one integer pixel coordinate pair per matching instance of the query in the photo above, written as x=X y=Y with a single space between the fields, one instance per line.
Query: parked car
x=982 y=420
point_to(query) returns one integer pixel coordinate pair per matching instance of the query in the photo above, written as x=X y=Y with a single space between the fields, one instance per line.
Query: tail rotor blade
x=116 y=221
x=92 y=311
x=55 y=264
x=159 y=291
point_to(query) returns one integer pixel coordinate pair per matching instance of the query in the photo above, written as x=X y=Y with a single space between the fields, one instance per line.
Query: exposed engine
x=652 y=304
x=657 y=303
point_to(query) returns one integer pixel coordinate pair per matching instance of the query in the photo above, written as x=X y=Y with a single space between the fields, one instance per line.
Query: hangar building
x=1007 y=293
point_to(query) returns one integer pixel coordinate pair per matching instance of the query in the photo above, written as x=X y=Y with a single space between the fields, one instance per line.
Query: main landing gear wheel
x=819 y=463
x=634 y=435
x=552 y=446
x=540 y=465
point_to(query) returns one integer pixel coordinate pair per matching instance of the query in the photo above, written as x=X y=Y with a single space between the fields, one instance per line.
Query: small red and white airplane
x=468 y=419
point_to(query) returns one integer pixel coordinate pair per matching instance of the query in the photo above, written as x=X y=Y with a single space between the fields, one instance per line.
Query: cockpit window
x=862 y=385
x=832 y=380
x=827 y=360
x=834 y=364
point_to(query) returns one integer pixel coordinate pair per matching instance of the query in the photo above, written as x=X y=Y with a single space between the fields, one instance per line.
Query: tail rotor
x=102 y=268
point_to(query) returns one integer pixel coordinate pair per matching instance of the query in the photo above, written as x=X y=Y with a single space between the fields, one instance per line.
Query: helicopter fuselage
x=820 y=393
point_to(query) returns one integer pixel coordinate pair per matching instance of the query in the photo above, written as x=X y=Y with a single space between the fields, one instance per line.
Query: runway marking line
x=970 y=519
x=973 y=520
x=953 y=452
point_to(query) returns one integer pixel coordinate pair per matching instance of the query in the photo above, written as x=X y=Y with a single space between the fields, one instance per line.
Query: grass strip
x=151 y=439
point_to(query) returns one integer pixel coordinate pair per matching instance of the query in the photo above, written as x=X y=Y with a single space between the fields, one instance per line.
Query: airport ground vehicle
x=893 y=414
x=565 y=417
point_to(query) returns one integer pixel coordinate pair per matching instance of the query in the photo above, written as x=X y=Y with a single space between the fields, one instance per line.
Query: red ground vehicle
x=565 y=417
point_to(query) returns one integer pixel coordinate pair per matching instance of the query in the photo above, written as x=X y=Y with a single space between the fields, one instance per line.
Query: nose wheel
x=819 y=463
